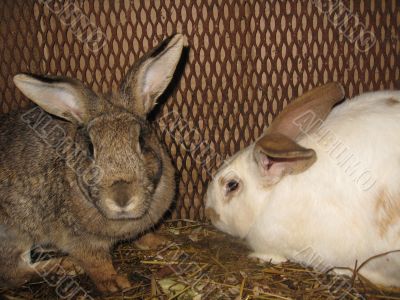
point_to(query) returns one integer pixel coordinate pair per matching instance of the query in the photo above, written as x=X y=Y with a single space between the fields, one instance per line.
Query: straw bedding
x=201 y=263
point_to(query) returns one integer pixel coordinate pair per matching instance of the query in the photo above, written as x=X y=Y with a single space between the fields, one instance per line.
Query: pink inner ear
x=265 y=161
x=270 y=170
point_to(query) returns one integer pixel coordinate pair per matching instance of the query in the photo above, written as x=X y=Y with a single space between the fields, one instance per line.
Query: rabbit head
x=121 y=150
x=242 y=186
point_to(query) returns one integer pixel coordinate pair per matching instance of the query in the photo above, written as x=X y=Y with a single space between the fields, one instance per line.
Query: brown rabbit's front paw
x=151 y=241
x=114 y=284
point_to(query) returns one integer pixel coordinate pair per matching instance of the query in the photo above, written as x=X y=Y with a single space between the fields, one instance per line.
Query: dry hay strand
x=202 y=263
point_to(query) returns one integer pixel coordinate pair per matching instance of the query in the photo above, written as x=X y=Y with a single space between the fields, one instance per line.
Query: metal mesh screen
x=247 y=59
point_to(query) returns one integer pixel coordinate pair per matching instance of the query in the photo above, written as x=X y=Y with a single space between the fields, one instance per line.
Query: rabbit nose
x=122 y=200
x=121 y=193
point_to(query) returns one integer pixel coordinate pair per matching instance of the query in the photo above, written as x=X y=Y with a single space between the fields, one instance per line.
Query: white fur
x=326 y=212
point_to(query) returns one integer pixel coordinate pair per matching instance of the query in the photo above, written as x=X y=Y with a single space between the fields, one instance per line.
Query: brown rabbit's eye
x=232 y=186
x=90 y=148
x=142 y=137
x=141 y=141
x=87 y=142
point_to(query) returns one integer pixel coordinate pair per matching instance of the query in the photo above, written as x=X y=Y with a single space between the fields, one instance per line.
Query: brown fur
x=319 y=101
x=278 y=148
x=277 y=153
x=43 y=200
x=150 y=241
x=388 y=209
x=392 y=102
x=212 y=215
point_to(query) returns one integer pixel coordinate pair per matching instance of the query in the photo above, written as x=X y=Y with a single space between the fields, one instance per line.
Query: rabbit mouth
x=123 y=215
x=134 y=210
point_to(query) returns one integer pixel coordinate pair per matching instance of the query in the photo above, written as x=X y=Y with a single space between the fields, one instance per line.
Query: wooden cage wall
x=246 y=60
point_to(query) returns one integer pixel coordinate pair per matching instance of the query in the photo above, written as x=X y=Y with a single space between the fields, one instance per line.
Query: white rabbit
x=320 y=188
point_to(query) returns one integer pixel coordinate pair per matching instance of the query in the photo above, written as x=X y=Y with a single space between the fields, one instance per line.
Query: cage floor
x=202 y=263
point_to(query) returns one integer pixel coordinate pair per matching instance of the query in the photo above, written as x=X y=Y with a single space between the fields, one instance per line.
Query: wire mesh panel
x=247 y=59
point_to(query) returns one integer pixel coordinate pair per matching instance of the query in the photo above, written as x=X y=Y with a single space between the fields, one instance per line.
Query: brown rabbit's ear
x=318 y=102
x=59 y=96
x=277 y=156
x=151 y=75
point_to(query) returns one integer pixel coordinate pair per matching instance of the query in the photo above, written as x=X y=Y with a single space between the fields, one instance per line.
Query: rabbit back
x=32 y=178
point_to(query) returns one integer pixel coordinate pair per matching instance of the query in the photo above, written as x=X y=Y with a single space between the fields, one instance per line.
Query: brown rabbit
x=82 y=171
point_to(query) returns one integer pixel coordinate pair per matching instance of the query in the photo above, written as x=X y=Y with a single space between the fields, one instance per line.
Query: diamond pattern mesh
x=247 y=59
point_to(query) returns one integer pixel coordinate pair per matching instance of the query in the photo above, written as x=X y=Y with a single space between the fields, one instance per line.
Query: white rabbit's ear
x=318 y=102
x=277 y=156
x=59 y=96
x=151 y=75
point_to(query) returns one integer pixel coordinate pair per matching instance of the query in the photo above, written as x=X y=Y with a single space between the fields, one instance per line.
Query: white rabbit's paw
x=262 y=257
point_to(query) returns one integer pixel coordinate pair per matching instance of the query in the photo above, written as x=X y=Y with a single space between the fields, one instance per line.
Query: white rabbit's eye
x=231 y=186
